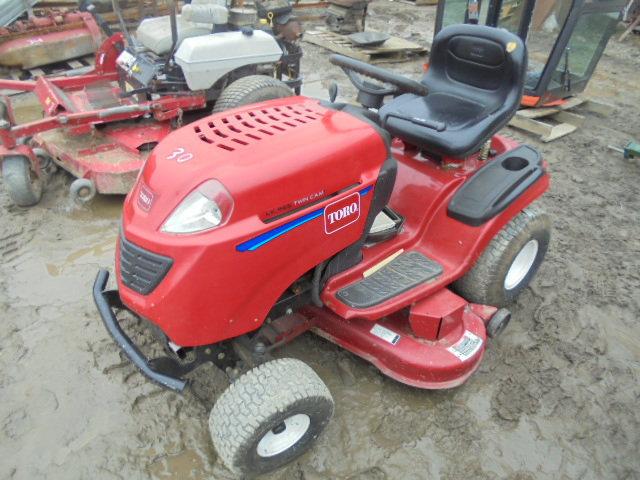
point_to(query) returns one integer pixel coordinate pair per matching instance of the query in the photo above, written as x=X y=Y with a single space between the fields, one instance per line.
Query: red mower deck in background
x=110 y=157
x=53 y=37
x=101 y=125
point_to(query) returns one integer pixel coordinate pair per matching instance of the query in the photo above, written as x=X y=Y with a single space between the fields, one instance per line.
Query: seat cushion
x=155 y=33
x=442 y=123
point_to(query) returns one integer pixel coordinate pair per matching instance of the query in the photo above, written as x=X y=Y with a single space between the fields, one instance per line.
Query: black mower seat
x=475 y=81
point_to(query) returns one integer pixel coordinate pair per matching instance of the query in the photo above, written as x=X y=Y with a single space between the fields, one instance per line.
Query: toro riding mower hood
x=202 y=252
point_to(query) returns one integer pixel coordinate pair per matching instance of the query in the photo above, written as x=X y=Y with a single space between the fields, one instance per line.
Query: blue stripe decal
x=366 y=190
x=260 y=240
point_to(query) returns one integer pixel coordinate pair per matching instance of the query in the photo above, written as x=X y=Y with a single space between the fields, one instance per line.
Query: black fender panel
x=496 y=185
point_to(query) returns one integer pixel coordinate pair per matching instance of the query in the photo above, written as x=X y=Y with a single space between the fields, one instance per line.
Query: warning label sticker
x=467 y=346
x=385 y=334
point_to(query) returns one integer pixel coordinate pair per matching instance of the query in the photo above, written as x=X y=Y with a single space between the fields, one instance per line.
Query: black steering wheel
x=399 y=83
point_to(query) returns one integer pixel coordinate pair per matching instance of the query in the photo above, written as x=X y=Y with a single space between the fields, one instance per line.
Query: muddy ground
x=556 y=397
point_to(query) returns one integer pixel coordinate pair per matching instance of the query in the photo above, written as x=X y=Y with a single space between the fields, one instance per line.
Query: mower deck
x=390 y=344
x=110 y=156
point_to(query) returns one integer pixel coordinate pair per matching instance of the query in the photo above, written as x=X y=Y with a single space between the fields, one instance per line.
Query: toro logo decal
x=145 y=198
x=341 y=213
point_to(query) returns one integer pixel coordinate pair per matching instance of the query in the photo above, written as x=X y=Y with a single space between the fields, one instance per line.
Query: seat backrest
x=201 y=12
x=485 y=64
x=155 y=33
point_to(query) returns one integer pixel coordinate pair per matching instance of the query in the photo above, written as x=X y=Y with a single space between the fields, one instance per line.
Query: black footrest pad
x=406 y=271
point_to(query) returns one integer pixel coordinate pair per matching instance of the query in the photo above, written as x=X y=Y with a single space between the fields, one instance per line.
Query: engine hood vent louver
x=246 y=128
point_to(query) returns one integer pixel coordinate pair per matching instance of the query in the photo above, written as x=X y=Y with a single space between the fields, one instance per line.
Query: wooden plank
x=569 y=117
x=599 y=107
x=131 y=14
x=75 y=64
x=418 y=3
x=394 y=49
x=57 y=3
x=546 y=131
x=572 y=103
x=537 y=112
x=558 y=131
x=526 y=119
x=57 y=71
x=395 y=44
x=531 y=125
x=631 y=27
x=302 y=5
x=335 y=45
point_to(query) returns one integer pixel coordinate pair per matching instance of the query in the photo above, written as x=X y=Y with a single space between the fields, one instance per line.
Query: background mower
x=398 y=230
x=100 y=126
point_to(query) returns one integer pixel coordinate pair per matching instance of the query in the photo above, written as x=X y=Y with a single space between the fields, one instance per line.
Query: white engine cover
x=207 y=58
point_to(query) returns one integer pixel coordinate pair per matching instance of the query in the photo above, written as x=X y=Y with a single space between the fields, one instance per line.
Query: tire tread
x=16 y=176
x=480 y=284
x=235 y=95
x=254 y=397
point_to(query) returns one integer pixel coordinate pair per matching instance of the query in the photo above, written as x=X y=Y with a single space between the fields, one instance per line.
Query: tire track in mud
x=14 y=244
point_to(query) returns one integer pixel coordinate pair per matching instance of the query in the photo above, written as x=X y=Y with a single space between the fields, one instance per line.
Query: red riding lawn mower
x=101 y=125
x=397 y=230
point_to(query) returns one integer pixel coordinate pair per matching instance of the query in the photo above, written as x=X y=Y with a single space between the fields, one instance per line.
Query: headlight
x=208 y=206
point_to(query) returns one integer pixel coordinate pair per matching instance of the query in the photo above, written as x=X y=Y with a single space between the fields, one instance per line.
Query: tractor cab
x=565 y=38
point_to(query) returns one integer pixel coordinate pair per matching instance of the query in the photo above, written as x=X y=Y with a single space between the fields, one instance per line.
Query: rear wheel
x=251 y=89
x=22 y=183
x=269 y=416
x=508 y=264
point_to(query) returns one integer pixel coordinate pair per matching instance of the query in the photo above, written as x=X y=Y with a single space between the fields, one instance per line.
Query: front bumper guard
x=107 y=301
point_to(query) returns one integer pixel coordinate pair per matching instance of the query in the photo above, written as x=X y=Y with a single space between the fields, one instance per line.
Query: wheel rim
x=284 y=436
x=521 y=265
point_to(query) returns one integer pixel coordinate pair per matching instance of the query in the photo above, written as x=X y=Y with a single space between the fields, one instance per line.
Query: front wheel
x=508 y=264
x=82 y=191
x=22 y=183
x=269 y=416
x=251 y=89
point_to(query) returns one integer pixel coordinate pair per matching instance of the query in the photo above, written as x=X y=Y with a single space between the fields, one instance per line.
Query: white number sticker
x=180 y=155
